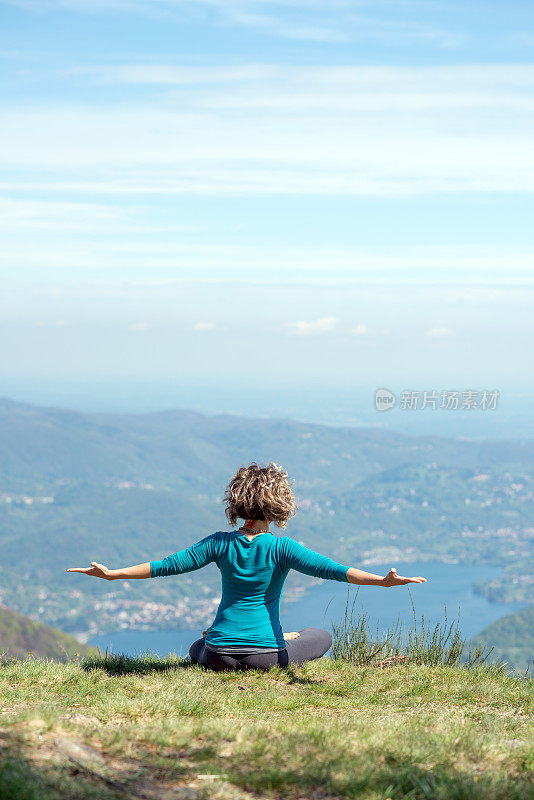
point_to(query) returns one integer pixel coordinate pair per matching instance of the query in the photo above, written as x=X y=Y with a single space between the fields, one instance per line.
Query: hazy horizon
x=512 y=419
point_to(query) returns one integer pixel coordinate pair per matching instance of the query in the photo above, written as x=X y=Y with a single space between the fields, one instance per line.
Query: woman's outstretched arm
x=198 y=555
x=297 y=556
x=362 y=578
x=127 y=573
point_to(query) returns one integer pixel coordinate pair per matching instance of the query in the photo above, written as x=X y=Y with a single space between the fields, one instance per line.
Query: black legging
x=312 y=643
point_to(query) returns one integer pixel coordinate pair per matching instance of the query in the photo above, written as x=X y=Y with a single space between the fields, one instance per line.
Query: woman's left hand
x=392 y=579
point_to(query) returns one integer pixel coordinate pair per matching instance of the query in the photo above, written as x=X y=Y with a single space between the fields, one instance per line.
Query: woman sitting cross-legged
x=254 y=563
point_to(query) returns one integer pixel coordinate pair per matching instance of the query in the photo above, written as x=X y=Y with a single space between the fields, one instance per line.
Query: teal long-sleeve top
x=253 y=572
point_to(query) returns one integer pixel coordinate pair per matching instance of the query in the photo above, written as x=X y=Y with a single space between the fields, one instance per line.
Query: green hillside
x=126 y=488
x=166 y=730
x=20 y=636
x=184 y=448
x=512 y=638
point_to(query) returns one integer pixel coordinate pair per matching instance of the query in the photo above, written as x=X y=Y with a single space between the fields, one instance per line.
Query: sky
x=264 y=196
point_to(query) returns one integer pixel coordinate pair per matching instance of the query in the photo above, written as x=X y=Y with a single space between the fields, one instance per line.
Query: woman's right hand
x=96 y=570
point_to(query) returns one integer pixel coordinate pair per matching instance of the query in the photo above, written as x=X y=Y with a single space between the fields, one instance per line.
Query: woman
x=246 y=631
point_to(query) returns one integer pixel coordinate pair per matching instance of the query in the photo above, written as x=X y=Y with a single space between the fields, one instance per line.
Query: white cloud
x=305 y=328
x=51 y=215
x=285 y=29
x=360 y=330
x=308 y=88
x=305 y=20
x=298 y=130
x=463 y=264
x=139 y=327
x=204 y=326
x=438 y=332
x=169 y=75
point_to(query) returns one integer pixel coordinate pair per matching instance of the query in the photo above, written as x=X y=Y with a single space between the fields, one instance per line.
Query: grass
x=156 y=728
x=442 y=643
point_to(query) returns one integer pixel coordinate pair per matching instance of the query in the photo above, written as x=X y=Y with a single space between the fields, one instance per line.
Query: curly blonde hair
x=262 y=493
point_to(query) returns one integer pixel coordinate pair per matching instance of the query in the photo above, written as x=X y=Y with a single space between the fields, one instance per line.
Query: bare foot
x=291 y=635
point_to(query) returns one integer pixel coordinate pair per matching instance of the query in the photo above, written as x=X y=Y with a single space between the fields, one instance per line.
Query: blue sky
x=269 y=192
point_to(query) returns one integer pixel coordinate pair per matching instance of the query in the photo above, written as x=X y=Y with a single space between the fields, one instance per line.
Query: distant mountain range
x=21 y=637
x=123 y=489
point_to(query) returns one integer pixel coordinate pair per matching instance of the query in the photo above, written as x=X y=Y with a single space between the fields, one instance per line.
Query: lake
x=449 y=585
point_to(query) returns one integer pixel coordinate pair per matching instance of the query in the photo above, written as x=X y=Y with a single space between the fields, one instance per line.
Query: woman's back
x=253 y=572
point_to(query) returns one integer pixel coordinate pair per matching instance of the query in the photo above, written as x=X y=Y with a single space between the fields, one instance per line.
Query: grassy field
x=162 y=729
